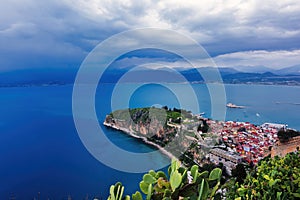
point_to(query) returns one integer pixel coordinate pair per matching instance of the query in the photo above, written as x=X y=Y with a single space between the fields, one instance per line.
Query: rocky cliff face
x=139 y=123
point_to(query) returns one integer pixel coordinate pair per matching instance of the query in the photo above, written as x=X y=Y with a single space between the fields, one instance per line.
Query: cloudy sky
x=60 y=33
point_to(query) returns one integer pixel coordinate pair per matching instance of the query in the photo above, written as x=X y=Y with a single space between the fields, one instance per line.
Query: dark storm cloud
x=35 y=34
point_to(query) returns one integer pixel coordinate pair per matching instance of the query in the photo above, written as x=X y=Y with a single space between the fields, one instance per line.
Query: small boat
x=231 y=105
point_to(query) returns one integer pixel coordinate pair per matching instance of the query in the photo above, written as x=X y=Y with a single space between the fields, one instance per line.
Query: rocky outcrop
x=139 y=131
x=141 y=125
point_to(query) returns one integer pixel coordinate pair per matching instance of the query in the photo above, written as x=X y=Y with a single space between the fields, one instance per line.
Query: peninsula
x=194 y=139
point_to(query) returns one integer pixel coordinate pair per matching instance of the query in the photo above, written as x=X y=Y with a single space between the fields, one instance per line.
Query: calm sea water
x=40 y=150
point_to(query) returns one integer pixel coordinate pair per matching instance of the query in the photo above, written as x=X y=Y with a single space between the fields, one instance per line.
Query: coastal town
x=206 y=140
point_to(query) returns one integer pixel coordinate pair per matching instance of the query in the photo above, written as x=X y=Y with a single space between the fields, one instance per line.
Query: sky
x=59 y=34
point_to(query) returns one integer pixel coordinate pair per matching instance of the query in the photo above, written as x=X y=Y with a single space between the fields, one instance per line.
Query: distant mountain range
x=247 y=75
x=30 y=77
x=286 y=76
x=293 y=70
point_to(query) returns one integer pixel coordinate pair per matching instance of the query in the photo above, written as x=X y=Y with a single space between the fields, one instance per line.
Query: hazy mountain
x=287 y=76
x=230 y=75
x=37 y=76
x=253 y=69
x=221 y=70
x=293 y=70
x=227 y=70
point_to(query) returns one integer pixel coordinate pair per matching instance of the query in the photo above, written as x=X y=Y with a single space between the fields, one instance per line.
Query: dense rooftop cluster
x=247 y=140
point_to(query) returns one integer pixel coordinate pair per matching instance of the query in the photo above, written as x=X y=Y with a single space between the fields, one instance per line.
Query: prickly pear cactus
x=180 y=183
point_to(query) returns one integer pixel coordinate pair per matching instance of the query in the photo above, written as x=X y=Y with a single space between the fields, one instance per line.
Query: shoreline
x=21 y=85
x=130 y=133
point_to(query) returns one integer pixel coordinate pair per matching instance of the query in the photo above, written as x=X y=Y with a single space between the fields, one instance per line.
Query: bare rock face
x=153 y=127
x=141 y=124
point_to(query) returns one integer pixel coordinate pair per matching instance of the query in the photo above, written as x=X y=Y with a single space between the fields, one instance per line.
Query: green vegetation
x=116 y=192
x=277 y=178
x=203 y=127
x=273 y=178
x=135 y=114
x=144 y=115
x=181 y=183
x=286 y=135
x=239 y=172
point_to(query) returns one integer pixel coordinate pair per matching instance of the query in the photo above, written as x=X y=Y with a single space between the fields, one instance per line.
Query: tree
x=203 y=127
x=242 y=129
x=239 y=172
x=285 y=135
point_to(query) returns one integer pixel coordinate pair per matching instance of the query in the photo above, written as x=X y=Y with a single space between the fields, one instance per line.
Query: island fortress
x=200 y=140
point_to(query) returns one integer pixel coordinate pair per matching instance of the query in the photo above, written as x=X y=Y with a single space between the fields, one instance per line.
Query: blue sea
x=41 y=154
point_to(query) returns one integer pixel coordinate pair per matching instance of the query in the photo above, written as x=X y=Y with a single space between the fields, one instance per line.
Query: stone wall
x=281 y=149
